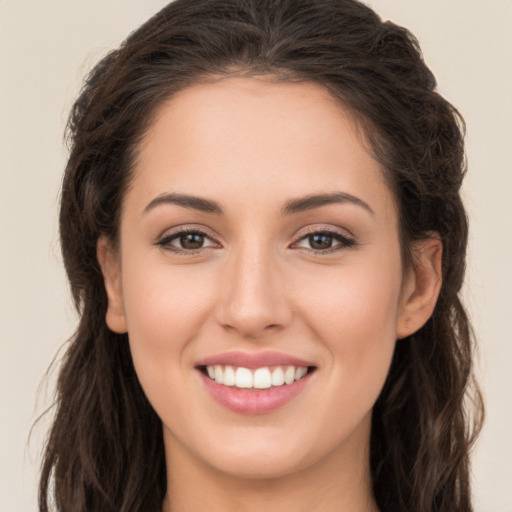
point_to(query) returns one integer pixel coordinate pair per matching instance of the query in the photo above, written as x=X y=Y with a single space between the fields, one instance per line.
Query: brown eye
x=191 y=241
x=320 y=241
x=325 y=242
x=186 y=241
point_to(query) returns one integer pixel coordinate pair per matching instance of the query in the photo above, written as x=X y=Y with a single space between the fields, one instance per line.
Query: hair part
x=105 y=450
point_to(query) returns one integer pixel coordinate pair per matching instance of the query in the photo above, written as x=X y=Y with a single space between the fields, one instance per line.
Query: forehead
x=259 y=138
x=258 y=111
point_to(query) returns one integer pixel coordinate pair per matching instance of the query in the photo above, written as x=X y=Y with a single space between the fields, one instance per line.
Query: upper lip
x=254 y=360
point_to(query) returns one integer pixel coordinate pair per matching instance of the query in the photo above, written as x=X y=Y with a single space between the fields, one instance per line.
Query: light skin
x=252 y=277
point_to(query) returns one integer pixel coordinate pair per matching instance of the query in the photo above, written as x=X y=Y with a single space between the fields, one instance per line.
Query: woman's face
x=258 y=235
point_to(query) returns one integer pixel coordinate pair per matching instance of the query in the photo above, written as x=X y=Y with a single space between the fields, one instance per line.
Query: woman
x=262 y=228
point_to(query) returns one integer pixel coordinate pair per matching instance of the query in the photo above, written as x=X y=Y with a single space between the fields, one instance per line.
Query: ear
x=421 y=286
x=111 y=269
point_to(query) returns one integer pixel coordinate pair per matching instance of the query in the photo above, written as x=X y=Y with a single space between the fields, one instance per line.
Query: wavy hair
x=105 y=449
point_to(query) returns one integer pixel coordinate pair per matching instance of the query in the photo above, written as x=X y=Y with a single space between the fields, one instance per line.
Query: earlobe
x=110 y=268
x=421 y=286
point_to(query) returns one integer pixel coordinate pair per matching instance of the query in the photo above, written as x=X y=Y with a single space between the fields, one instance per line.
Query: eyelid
x=347 y=241
x=171 y=234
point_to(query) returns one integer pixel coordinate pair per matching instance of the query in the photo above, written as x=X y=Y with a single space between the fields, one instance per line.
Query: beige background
x=46 y=47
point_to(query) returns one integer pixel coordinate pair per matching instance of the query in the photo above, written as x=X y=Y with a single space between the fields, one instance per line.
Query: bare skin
x=252 y=264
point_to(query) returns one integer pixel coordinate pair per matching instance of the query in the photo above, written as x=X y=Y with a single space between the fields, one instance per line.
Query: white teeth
x=260 y=378
x=300 y=372
x=243 y=378
x=278 y=377
x=289 y=375
x=229 y=376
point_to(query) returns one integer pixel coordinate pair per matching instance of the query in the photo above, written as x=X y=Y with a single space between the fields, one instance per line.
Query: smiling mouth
x=266 y=377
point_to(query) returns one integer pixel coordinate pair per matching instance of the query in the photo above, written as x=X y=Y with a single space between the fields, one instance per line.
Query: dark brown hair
x=105 y=449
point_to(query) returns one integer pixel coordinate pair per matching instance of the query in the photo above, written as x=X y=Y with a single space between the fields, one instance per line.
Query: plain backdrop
x=46 y=48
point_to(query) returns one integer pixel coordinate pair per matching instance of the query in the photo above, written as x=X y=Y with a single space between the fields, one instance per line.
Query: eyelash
x=165 y=241
x=345 y=242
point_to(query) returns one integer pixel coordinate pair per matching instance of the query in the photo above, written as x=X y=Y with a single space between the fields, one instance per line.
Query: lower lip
x=254 y=401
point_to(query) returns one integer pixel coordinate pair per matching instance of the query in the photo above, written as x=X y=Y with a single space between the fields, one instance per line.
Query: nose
x=253 y=297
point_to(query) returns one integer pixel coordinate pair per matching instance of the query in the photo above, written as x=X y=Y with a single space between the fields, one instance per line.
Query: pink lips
x=252 y=361
x=253 y=401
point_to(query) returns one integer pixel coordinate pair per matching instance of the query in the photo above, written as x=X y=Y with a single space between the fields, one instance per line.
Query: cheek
x=161 y=299
x=164 y=308
x=355 y=319
x=352 y=303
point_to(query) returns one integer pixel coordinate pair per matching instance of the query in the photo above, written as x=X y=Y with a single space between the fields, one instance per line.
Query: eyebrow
x=292 y=206
x=313 y=201
x=193 y=202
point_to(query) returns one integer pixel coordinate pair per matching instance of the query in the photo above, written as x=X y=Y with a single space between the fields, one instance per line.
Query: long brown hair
x=105 y=449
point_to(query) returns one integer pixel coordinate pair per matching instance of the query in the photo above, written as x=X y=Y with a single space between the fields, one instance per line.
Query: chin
x=261 y=467
x=261 y=458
